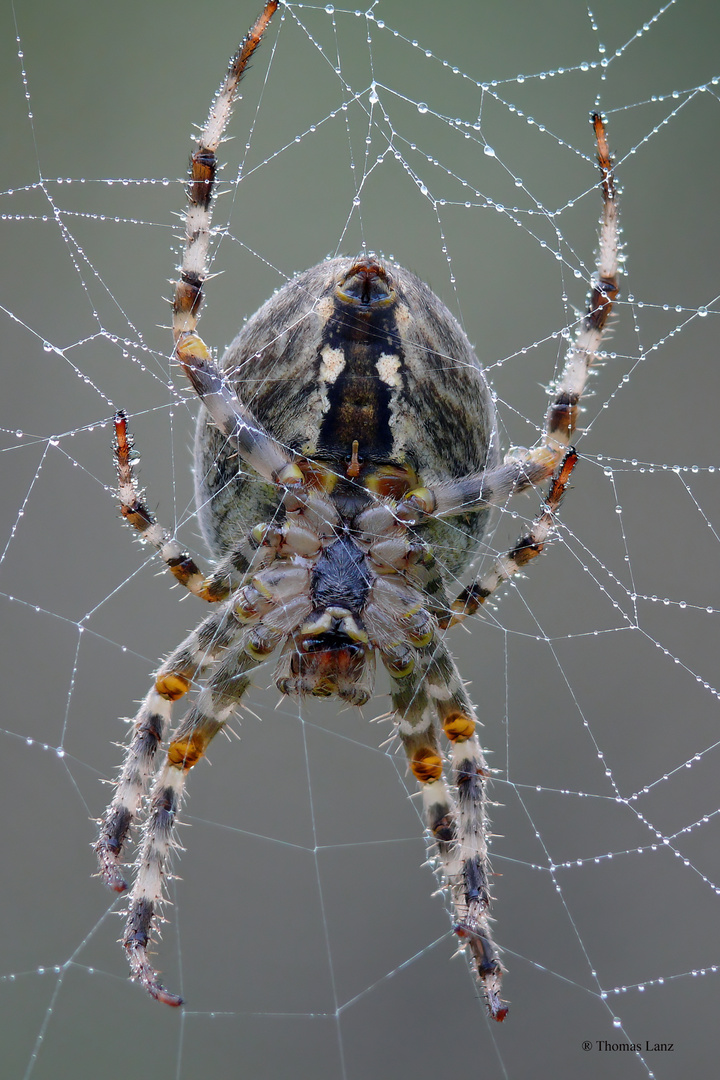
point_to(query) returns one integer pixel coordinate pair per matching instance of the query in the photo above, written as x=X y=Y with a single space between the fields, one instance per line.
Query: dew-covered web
x=303 y=933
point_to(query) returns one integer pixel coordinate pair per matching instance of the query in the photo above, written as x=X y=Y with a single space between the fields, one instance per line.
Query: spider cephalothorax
x=346 y=461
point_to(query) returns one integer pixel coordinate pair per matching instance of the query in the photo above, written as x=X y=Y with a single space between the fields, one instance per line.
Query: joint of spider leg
x=249 y=605
x=419 y=628
x=185 y=753
x=441 y=825
x=562 y=415
x=291 y=477
x=467 y=603
x=203 y=170
x=214 y=590
x=418 y=503
x=399 y=660
x=261 y=642
x=602 y=298
x=187 y=302
x=561 y=480
x=524 y=550
x=172 y=686
x=426 y=765
x=191 y=352
x=458 y=726
x=184 y=569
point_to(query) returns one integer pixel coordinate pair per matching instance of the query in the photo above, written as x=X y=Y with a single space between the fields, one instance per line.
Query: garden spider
x=371 y=425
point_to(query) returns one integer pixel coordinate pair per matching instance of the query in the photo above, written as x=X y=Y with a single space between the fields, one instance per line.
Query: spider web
x=303 y=932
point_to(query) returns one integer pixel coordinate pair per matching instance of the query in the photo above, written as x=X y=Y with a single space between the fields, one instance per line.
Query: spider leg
x=210 y=712
x=189 y=661
x=183 y=568
x=256 y=447
x=458 y=823
x=527 y=547
x=200 y=191
x=252 y=551
x=531 y=467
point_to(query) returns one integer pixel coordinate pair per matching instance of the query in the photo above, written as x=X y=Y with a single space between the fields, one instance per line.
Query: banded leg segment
x=561 y=418
x=188 y=662
x=209 y=714
x=183 y=568
x=470 y=773
x=253 y=551
x=257 y=448
x=528 y=546
x=150 y=727
x=532 y=467
x=457 y=819
x=201 y=184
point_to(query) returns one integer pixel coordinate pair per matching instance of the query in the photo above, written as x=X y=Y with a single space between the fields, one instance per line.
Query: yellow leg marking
x=426 y=765
x=172 y=686
x=184 y=753
x=214 y=590
x=458 y=727
x=549 y=455
x=190 y=349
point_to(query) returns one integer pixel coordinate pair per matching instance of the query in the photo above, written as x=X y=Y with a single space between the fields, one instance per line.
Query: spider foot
x=110 y=874
x=143 y=972
x=108 y=848
x=487 y=966
x=135 y=942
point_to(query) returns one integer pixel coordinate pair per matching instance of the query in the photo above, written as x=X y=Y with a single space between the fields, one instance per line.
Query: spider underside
x=346 y=444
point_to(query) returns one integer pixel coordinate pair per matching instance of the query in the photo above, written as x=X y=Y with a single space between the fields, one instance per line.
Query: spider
x=371 y=444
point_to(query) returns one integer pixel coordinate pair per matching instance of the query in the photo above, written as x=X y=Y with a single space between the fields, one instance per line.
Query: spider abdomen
x=353 y=352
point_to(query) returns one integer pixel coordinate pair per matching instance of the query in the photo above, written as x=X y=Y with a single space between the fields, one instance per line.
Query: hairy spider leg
x=562 y=414
x=520 y=471
x=255 y=445
x=251 y=551
x=187 y=663
x=210 y=712
x=527 y=547
x=244 y=630
x=430 y=698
